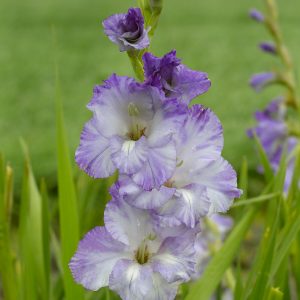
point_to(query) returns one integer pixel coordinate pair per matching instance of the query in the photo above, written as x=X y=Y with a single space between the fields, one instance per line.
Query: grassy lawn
x=214 y=36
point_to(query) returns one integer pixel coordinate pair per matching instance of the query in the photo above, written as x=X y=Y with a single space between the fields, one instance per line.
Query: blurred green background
x=214 y=36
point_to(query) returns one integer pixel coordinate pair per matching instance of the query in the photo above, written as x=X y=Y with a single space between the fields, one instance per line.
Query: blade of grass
x=206 y=285
x=260 y=288
x=32 y=239
x=68 y=210
x=243 y=179
x=7 y=269
x=256 y=199
x=46 y=233
x=289 y=234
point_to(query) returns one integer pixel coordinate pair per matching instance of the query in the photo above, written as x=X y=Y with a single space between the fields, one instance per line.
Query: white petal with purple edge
x=127 y=155
x=95 y=258
x=221 y=182
x=131 y=280
x=176 y=258
x=187 y=206
x=167 y=120
x=159 y=166
x=93 y=153
x=201 y=136
x=127 y=224
x=139 y=198
x=135 y=282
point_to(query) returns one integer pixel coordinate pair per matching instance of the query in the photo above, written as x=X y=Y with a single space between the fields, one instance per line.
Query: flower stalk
x=287 y=73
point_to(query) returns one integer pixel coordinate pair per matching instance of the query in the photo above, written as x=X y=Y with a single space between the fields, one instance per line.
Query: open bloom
x=131 y=130
x=273 y=134
x=132 y=257
x=203 y=182
x=127 y=30
x=174 y=78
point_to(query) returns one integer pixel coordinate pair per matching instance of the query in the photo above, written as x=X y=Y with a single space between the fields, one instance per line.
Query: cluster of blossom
x=171 y=174
x=272 y=129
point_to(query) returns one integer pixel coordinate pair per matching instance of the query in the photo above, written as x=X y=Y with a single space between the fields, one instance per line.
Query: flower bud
x=256 y=15
x=268 y=47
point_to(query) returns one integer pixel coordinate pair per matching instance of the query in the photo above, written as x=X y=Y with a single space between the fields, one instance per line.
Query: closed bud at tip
x=156 y=4
x=268 y=47
x=256 y=15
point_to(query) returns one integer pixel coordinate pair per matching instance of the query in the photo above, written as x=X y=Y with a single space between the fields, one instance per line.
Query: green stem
x=288 y=72
x=137 y=64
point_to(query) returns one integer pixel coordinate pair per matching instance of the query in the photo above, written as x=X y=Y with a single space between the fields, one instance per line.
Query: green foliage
x=7 y=268
x=215 y=270
x=68 y=207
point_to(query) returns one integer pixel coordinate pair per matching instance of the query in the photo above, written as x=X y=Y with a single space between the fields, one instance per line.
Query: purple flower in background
x=131 y=130
x=213 y=231
x=132 y=257
x=256 y=15
x=273 y=134
x=268 y=47
x=203 y=182
x=174 y=78
x=127 y=30
x=260 y=80
x=271 y=130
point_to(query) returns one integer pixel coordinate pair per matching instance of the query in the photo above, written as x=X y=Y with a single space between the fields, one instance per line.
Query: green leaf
x=7 y=270
x=34 y=277
x=243 y=179
x=259 y=290
x=68 y=210
x=289 y=233
x=206 y=285
x=46 y=233
x=238 y=290
x=275 y=294
x=258 y=199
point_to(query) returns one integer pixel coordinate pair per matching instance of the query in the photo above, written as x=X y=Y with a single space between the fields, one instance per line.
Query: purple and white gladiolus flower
x=273 y=134
x=132 y=257
x=174 y=78
x=202 y=183
x=127 y=30
x=131 y=130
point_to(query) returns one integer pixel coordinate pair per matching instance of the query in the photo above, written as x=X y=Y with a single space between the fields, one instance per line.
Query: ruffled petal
x=127 y=224
x=140 y=198
x=95 y=258
x=131 y=280
x=93 y=153
x=167 y=120
x=186 y=207
x=176 y=258
x=189 y=84
x=175 y=79
x=135 y=282
x=159 y=166
x=201 y=136
x=127 y=155
x=111 y=103
x=220 y=180
x=127 y=30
